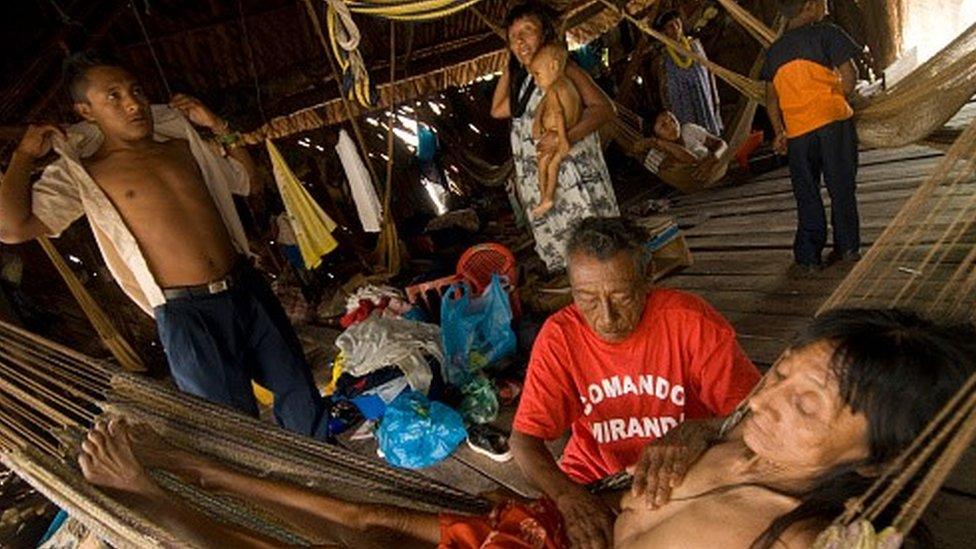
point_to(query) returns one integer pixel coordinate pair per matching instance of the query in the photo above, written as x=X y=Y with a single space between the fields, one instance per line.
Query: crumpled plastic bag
x=417 y=433
x=480 y=404
x=476 y=331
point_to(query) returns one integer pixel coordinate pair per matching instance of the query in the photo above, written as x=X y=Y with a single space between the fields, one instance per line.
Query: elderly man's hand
x=664 y=462
x=589 y=522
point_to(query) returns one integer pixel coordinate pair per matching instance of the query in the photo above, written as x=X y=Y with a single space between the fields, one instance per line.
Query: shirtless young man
x=159 y=202
x=842 y=403
x=561 y=108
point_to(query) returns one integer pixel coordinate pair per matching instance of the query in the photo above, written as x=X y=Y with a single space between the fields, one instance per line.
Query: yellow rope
x=388 y=245
x=422 y=10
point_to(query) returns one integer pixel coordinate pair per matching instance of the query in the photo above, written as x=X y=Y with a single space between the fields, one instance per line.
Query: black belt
x=232 y=279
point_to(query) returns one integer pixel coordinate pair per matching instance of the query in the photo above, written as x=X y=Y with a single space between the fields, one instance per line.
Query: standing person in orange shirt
x=810 y=72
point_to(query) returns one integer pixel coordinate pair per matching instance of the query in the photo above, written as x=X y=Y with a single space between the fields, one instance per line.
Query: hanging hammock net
x=49 y=396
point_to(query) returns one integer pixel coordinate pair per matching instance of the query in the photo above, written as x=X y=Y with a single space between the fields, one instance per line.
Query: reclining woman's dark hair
x=547 y=19
x=898 y=369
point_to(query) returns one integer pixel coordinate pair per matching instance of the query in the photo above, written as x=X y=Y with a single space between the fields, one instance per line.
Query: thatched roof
x=229 y=52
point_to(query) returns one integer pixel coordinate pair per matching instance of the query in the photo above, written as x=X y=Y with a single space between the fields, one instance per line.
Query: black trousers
x=829 y=152
x=217 y=344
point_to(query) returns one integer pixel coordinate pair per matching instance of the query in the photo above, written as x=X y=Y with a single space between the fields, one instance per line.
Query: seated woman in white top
x=685 y=156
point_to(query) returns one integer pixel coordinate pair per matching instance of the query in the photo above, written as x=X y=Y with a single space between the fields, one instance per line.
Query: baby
x=560 y=109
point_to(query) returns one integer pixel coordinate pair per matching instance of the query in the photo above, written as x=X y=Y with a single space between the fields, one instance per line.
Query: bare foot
x=541 y=210
x=107 y=461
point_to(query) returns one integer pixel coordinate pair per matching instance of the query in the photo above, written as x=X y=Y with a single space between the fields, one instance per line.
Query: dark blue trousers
x=829 y=152
x=217 y=344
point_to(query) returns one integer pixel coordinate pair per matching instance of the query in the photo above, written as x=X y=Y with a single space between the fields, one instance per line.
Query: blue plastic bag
x=475 y=331
x=416 y=432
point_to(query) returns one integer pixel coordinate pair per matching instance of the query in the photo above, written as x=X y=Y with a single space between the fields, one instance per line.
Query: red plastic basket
x=480 y=261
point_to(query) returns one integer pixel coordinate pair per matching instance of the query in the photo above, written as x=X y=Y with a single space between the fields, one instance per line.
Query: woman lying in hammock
x=841 y=403
x=685 y=156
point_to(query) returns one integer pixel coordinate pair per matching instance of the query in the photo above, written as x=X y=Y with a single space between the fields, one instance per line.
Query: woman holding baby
x=584 y=188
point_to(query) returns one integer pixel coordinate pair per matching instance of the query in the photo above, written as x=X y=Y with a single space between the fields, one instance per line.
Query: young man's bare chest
x=161 y=196
x=160 y=177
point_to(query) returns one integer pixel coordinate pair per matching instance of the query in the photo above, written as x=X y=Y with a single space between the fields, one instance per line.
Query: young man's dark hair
x=76 y=67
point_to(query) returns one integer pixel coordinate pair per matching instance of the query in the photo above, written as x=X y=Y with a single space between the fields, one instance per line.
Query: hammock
x=923 y=101
x=49 y=396
x=682 y=177
x=926 y=260
x=479 y=169
x=312 y=227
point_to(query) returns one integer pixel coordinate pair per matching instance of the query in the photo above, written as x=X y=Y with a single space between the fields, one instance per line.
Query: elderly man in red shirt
x=620 y=367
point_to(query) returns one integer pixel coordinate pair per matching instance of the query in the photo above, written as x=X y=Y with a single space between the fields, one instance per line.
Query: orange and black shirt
x=802 y=65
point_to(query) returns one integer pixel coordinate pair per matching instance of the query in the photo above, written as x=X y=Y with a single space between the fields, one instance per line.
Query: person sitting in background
x=683 y=151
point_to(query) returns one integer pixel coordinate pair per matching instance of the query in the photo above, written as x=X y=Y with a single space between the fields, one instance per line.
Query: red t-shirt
x=682 y=361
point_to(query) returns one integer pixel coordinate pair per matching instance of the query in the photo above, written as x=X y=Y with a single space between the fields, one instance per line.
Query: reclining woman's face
x=798 y=419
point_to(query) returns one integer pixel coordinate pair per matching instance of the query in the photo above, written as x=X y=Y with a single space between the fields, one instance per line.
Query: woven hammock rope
x=50 y=395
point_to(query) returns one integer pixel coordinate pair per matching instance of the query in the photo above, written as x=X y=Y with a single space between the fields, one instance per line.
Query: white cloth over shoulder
x=694 y=137
x=363 y=192
x=378 y=342
x=65 y=192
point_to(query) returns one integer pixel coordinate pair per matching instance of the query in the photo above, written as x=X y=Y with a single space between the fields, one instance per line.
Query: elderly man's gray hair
x=603 y=238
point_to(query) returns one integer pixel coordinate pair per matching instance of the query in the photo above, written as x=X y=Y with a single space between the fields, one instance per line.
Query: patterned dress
x=584 y=188
x=690 y=92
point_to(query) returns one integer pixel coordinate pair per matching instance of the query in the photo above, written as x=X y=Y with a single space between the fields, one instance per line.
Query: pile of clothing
x=393 y=369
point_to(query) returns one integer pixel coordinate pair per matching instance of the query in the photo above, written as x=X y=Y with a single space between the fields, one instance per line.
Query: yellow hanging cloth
x=313 y=228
